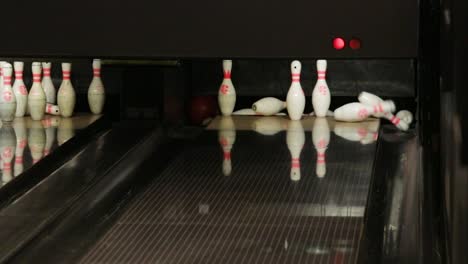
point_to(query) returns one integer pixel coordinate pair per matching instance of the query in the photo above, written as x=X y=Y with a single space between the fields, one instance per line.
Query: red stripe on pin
x=227 y=155
x=227 y=75
x=395 y=120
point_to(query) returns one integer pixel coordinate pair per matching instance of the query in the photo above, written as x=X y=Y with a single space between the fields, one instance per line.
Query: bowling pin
x=321 y=139
x=295 y=139
x=295 y=100
x=7 y=98
x=227 y=138
x=7 y=148
x=353 y=112
x=37 y=97
x=36 y=140
x=269 y=125
x=19 y=89
x=47 y=84
x=96 y=93
x=268 y=106
x=66 y=98
x=405 y=115
x=227 y=93
x=52 y=109
x=245 y=111
x=372 y=99
x=19 y=125
x=1 y=75
x=321 y=94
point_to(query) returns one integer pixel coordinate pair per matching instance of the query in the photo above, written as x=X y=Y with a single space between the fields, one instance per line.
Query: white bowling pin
x=96 y=93
x=66 y=98
x=37 y=97
x=1 y=75
x=47 y=84
x=405 y=115
x=357 y=111
x=321 y=94
x=7 y=148
x=227 y=93
x=7 y=96
x=321 y=139
x=227 y=138
x=52 y=109
x=295 y=139
x=19 y=89
x=295 y=100
x=245 y=111
x=19 y=125
x=268 y=106
x=36 y=140
x=372 y=99
x=269 y=125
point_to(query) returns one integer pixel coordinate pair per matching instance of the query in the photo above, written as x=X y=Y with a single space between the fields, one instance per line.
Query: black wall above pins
x=210 y=28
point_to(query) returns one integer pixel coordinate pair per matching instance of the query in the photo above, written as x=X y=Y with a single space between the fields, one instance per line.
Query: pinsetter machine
x=161 y=176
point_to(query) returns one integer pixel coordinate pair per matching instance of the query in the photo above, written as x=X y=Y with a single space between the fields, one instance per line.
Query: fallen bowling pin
x=269 y=125
x=354 y=112
x=372 y=99
x=321 y=139
x=405 y=115
x=268 y=106
x=245 y=111
x=52 y=109
x=295 y=139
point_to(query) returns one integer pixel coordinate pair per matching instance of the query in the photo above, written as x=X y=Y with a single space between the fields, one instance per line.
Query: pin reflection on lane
x=50 y=123
x=364 y=132
x=36 y=140
x=269 y=125
x=19 y=125
x=227 y=138
x=7 y=147
x=295 y=138
x=65 y=130
x=321 y=139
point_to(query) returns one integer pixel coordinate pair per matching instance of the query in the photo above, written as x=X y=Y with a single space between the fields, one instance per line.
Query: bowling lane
x=250 y=189
x=24 y=142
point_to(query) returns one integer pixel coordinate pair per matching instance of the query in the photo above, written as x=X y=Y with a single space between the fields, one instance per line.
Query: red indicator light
x=355 y=44
x=338 y=43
